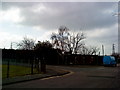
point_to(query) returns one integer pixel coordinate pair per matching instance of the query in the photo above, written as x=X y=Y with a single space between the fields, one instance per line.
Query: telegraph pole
x=11 y=46
x=113 y=49
x=103 y=50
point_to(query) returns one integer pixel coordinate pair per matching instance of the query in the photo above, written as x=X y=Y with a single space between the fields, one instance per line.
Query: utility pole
x=99 y=53
x=113 y=49
x=103 y=50
x=11 y=46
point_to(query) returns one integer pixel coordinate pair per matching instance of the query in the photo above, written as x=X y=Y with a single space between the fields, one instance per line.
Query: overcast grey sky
x=38 y=20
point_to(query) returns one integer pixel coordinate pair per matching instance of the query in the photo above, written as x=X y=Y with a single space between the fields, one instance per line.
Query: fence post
x=43 y=65
x=8 y=68
x=32 y=66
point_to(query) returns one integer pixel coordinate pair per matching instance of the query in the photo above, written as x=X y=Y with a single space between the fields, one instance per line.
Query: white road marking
x=58 y=76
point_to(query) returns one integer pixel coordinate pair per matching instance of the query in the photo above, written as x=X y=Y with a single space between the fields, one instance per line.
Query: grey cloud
x=7 y=5
x=108 y=38
x=85 y=15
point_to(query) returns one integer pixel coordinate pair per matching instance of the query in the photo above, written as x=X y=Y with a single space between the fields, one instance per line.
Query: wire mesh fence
x=20 y=63
x=77 y=59
x=12 y=68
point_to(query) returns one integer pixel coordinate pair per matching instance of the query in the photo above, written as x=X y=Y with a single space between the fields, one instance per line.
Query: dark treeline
x=51 y=57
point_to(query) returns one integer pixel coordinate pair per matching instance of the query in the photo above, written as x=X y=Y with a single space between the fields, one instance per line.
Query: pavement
x=79 y=77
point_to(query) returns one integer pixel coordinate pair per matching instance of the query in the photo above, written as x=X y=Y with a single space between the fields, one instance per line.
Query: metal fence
x=21 y=62
x=78 y=59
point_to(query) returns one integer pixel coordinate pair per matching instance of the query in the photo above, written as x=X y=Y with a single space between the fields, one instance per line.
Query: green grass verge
x=16 y=71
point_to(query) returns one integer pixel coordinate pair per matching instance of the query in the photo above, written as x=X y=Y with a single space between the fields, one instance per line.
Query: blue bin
x=109 y=61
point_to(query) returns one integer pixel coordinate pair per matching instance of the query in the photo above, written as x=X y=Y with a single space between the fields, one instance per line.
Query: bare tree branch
x=66 y=41
x=26 y=44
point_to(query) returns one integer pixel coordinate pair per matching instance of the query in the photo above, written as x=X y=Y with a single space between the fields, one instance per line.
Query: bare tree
x=75 y=42
x=67 y=41
x=60 y=39
x=89 y=50
x=26 y=44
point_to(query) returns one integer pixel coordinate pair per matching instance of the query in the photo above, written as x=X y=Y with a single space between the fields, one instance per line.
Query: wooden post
x=32 y=66
x=43 y=65
x=8 y=68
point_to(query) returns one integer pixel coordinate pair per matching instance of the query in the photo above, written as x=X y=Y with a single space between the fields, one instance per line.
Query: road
x=80 y=77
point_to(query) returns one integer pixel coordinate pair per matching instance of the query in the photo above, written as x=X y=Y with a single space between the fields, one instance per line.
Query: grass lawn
x=16 y=71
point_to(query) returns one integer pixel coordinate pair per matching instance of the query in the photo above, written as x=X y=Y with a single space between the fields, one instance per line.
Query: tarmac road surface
x=80 y=77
